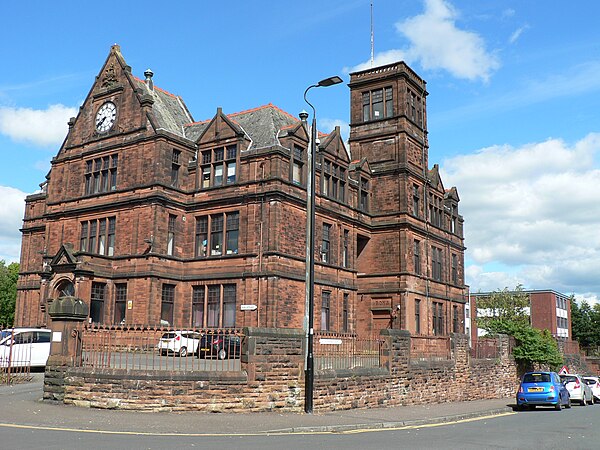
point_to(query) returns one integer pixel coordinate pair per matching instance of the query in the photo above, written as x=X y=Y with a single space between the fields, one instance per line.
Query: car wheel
x=222 y=354
x=558 y=405
x=568 y=403
x=183 y=351
x=583 y=402
x=591 y=402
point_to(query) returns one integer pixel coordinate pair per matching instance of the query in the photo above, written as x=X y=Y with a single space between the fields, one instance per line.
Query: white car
x=594 y=384
x=181 y=343
x=578 y=389
x=23 y=347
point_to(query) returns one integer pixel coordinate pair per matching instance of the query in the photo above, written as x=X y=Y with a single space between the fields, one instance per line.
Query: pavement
x=22 y=407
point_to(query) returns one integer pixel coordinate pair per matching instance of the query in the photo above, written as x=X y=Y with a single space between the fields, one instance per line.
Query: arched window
x=65 y=289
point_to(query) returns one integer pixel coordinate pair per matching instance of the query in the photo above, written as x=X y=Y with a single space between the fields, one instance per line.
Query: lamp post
x=309 y=371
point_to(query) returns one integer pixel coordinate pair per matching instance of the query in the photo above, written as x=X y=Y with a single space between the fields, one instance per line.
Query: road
x=544 y=428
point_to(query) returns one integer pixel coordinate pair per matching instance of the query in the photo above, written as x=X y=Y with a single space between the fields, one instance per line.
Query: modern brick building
x=151 y=217
x=548 y=310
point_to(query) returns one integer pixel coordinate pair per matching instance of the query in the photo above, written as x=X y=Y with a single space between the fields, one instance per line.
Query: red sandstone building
x=151 y=217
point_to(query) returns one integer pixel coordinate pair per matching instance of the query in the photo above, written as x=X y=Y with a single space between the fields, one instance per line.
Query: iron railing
x=345 y=351
x=159 y=348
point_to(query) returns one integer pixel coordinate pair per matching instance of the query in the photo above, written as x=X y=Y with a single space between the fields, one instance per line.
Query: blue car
x=542 y=389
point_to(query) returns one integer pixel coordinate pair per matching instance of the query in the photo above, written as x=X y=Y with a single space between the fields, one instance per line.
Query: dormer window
x=377 y=104
x=297 y=165
x=219 y=166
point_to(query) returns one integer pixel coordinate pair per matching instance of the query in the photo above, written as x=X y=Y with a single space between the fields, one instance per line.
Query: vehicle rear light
x=177 y=338
x=577 y=385
x=521 y=389
x=552 y=388
x=598 y=384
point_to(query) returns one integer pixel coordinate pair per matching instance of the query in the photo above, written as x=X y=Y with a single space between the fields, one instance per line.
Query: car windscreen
x=168 y=336
x=536 y=378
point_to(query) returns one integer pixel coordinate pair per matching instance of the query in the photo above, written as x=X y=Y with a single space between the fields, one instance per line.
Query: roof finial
x=148 y=74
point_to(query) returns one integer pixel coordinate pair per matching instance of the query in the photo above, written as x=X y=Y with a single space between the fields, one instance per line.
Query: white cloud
x=517 y=34
x=328 y=125
x=12 y=209
x=436 y=43
x=40 y=127
x=535 y=208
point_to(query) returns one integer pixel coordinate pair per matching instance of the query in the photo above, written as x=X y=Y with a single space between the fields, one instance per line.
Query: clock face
x=105 y=118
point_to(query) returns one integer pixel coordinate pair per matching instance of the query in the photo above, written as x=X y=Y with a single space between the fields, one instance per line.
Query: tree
x=8 y=292
x=585 y=323
x=505 y=312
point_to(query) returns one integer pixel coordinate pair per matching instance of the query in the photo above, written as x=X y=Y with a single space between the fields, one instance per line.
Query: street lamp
x=309 y=371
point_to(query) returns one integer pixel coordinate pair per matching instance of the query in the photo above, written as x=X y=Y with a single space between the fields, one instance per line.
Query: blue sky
x=512 y=108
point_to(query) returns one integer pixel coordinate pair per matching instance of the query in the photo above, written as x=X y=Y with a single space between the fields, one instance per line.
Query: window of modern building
x=97 y=302
x=325 y=310
x=438 y=318
x=345 y=312
x=298 y=165
x=120 y=303
x=417 y=256
x=175 y=166
x=101 y=174
x=436 y=264
x=171 y=235
x=417 y=316
x=98 y=236
x=214 y=306
x=218 y=166
x=326 y=244
x=377 y=104
x=345 y=249
x=210 y=231
x=363 y=195
x=167 y=304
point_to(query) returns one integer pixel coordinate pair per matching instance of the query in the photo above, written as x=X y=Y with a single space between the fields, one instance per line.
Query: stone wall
x=272 y=378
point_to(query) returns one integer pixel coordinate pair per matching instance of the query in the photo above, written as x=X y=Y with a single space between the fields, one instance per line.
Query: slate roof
x=169 y=110
x=262 y=125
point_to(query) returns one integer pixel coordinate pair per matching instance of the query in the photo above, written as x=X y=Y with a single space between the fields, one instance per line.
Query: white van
x=24 y=347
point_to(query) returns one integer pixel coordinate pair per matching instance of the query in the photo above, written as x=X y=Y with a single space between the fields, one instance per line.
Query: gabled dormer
x=333 y=164
x=359 y=172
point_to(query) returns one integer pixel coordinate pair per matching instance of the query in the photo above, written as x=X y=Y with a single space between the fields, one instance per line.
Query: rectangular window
x=198 y=306
x=175 y=168
x=454 y=269
x=97 y=302
x=216 y=235
x=167 y=302
x=297 y=164
x=438 y=319
x=417 y=257
x=363 y=195
x=100 y=174
x=98 y=236
x=375 y=106
x=120 y=303
x=219 y=166
x=436 y=264
x=416 y=200
x=325 y=244
x=201 y=235
x=345 y=313
x=232 y=226
x=345 y=251
x=213 y=305
x=325 y=310
x=455 y=320
x=229 y=299
x=171 y=235
x=418 y=316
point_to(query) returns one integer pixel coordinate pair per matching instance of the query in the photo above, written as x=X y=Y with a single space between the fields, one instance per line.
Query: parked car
x=179 y=343
x=220 y=345
x=542 y=389
x=23 y=347
x=578 y=389
x=594 y=384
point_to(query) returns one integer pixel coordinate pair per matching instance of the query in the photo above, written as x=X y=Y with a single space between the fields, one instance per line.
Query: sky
x=513 y=102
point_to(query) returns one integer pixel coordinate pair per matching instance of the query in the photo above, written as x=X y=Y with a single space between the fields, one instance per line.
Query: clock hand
x=98 y=123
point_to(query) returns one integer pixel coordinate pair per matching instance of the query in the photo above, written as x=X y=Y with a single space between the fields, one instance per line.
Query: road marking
x=263 y=433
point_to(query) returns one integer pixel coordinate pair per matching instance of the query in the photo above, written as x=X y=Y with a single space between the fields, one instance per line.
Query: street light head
x=330 y=81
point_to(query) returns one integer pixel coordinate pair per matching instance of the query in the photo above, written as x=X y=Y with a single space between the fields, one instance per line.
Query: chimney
x=149 y=84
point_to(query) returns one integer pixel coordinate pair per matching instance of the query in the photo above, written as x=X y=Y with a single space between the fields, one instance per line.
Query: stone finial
x=148 y=74
x=303 y=116
x=68 y=308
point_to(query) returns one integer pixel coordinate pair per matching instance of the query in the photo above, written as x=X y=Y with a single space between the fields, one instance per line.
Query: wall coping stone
x=274 y=332
x=349 y=373
x=161 y=375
